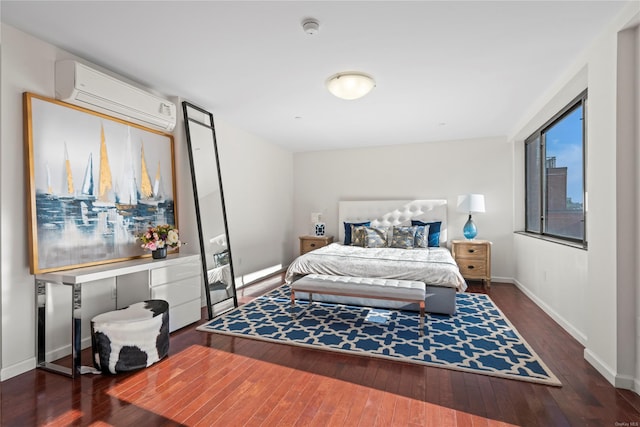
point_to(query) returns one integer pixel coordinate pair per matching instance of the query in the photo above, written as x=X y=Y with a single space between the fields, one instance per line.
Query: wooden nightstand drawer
x=310 y=243
x=473 y=251
x=472 y=269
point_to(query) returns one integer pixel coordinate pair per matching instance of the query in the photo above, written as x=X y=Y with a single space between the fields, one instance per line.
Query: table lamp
x=470 y=203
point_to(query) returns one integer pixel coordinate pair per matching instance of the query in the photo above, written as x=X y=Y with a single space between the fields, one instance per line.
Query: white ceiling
x=444 y=70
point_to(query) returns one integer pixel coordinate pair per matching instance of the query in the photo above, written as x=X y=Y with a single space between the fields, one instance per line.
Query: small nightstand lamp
x=470 y=203
x=318 y=226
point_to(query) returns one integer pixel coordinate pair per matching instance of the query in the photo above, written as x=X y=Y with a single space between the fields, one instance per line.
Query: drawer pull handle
x=471 y=267
x=471 y=251
x=313 y=245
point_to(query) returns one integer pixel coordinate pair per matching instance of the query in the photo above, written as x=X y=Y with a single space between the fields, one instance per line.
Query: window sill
x=553 y=240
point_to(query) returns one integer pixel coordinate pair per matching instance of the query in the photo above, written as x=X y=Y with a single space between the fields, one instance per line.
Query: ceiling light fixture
x=350 y=85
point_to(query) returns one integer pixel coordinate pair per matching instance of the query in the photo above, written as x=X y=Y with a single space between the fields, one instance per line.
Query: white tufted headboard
x=393 y=212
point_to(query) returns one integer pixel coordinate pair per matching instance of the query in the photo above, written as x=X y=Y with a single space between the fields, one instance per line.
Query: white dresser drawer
x=175 y=272
x=184 y=314
x=179 y=292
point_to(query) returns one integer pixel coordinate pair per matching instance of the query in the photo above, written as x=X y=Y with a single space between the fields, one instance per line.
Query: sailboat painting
x=91 y=191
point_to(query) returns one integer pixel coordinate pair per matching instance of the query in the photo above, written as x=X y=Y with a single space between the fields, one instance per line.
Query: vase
x=470 y=231
x=159 y=253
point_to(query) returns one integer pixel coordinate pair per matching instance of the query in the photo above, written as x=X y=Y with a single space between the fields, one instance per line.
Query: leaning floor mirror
x=220 y=291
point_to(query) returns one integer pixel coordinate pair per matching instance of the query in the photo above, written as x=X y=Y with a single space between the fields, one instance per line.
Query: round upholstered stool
x=131 y=338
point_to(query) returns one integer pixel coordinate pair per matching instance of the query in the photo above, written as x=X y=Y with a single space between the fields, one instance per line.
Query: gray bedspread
x=433 y=266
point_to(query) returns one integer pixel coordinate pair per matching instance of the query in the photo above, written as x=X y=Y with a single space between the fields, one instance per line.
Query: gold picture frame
x=94 y=182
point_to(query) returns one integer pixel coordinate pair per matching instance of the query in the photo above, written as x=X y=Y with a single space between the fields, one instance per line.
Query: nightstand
x=474 y=259
x=309 y=243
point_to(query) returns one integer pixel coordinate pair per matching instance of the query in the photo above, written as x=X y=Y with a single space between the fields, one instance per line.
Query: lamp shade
x=350 y=85
x=471 y=203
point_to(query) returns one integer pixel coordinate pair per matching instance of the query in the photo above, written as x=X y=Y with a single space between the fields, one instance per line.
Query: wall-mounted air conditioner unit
x=80 y=85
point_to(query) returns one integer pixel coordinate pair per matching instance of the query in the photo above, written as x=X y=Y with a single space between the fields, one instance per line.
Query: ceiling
x=444 y=70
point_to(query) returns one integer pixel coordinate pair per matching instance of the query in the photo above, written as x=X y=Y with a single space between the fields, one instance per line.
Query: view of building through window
x=565 y=187
x=555 y=186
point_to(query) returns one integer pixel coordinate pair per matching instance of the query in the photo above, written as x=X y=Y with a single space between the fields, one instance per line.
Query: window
x=554 y=175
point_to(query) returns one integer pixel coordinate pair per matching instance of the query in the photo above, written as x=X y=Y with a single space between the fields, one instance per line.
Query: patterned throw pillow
x=434 y=231
x=348 y=227
x=403 y=237
x=422 y=237
x=376 y=237
x=358 y=235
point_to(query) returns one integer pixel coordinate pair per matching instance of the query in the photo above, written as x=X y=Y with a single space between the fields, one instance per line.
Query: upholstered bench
x=376 y=288
x=131 y=338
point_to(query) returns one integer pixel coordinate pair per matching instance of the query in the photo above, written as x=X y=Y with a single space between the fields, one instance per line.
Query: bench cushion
x=362 y=286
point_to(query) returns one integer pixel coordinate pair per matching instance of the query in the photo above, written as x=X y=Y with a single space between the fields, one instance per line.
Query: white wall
x=596 y=324
x=27 y=65
x=605 y=285
x=257 y=177
x=636 y=77
x=554 y=276
x=628 y=189
x=435 y=170
x=258 y=187
x=540 y=266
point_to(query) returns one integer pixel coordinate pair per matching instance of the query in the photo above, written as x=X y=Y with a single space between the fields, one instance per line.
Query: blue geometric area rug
x=478 y=338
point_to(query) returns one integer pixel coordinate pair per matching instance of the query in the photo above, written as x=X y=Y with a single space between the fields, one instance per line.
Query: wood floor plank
x=369 y=412
x=213 y=379
x=214 y=390
x=507 y=410
x=357 y=405
x=253 y=388
x=293 y=403
x=486 y=398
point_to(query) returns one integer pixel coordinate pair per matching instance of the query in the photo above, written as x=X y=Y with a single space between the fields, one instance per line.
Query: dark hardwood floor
x=211 y=379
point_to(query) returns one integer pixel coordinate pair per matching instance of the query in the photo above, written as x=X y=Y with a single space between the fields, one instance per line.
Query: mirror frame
x=205 y=278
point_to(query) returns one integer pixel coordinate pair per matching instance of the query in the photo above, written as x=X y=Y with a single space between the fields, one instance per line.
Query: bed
x=432 y=265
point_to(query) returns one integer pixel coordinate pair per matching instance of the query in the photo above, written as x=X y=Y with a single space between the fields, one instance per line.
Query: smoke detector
x=310 y=26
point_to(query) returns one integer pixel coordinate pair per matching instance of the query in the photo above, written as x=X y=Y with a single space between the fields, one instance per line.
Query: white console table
x=176 y=279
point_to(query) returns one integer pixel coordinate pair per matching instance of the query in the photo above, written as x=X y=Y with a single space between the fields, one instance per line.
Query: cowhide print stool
x=131 y=338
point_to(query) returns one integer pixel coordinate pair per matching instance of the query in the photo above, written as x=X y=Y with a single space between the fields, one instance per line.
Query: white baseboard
x=626 y=382
x=503 y=280
x=567 y=326
x=65 y=350
x=604 y=369
x=29 y=364
x=17 y=369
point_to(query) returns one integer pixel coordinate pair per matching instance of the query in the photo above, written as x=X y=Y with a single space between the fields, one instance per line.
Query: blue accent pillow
x=347 y=230
x=434 y=231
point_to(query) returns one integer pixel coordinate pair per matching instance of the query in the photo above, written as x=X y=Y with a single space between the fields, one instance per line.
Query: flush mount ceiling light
x=350 y=85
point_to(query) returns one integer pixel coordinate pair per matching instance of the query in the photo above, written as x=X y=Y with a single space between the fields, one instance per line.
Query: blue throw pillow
x=347 y=230
x=434 y=231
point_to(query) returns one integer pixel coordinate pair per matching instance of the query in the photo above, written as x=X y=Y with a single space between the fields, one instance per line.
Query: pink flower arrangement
x=159 y=237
